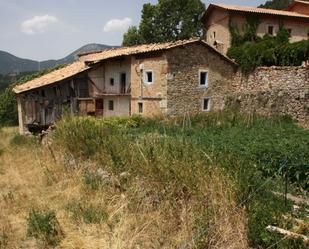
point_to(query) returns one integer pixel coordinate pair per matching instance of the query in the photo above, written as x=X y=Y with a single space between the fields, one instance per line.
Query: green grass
x=44 y=226
x=178 y=156
x=88 y=213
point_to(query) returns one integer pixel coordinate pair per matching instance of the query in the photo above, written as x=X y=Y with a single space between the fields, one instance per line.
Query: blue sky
x=51 y=29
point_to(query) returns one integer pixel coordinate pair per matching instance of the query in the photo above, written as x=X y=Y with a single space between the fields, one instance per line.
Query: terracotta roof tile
x=139 y=49
x=259 y=10
x=86 y=59
x=52 y=77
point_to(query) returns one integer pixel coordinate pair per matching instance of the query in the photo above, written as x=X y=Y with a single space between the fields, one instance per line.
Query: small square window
x=271 y=30
x=148 y=77
x=140 y=108
x=110 y=105
x=111 y=81
x=203 y=78
x=206 y=104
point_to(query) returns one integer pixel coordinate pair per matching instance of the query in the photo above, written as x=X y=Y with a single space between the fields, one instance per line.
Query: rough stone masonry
x=273 y=90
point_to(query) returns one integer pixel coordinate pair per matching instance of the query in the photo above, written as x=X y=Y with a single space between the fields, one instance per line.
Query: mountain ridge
x=10 y=63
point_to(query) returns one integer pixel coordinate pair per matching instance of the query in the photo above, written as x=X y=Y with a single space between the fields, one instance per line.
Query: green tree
x=131 y=37
x=8 y=107
x=169 y=20
x=276 y=4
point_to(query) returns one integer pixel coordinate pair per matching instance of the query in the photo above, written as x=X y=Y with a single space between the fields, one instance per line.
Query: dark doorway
x=123 y=83
x=99 y=107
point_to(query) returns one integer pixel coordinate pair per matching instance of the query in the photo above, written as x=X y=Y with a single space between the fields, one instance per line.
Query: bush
x=44 y=226
x=87 y=213
x=93 y=180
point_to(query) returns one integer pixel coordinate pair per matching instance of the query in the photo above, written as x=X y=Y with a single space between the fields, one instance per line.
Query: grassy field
x=198 y=182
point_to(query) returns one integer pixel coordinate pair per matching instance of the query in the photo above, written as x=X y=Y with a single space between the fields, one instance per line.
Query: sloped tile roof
x=53 y=77
x=139 y=49
x=87 y=59
x=299 y=1
x=255 y=11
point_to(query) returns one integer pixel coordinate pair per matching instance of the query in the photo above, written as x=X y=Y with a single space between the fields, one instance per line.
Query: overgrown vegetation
x=180 y=160
x=251 y=51
x=44 y=226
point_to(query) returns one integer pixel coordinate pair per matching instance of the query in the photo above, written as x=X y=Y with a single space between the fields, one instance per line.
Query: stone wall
x=184 y=93
x=273 y=90
x=152 y=96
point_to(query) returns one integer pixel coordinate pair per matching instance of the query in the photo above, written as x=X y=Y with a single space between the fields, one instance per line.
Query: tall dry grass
x=139 y=212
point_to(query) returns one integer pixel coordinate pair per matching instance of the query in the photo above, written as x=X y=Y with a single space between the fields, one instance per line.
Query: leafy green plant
x=44 y=226
x=250 y=51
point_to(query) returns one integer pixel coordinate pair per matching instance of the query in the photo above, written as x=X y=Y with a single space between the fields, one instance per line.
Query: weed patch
x=44 y=226
x=88 y=213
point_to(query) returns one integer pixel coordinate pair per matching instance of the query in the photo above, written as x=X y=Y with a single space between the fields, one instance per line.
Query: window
x=83 y=88
x=203 y=78
x=215 y=35
x=111 y=81
x=206 y=104
x=110 y=105
x=271 y=30
x=140 y=107
x=148 y=77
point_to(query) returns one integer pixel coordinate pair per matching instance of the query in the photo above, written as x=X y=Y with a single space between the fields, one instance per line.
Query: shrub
x=88 y=213
x=44 y=226
x=93 y=180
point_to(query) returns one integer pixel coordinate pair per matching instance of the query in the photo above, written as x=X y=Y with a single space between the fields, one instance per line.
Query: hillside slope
x=10 y=63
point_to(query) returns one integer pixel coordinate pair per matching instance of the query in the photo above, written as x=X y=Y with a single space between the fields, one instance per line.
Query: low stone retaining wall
x=273 y=90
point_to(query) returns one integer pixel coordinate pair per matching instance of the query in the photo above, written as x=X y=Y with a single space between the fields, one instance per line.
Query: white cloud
x=117 y=25
x=37 y=24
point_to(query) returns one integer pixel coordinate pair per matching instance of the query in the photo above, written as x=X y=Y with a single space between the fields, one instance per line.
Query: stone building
x=152 y=80
x=218 y=19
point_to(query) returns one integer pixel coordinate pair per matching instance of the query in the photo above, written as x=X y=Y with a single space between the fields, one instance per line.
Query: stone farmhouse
x=218 y=19
x=151 y=80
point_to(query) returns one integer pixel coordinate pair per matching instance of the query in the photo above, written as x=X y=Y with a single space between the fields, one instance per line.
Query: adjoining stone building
x=152 y=80
x=218 y=18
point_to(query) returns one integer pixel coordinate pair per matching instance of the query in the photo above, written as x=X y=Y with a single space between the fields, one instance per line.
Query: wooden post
x=20 y=116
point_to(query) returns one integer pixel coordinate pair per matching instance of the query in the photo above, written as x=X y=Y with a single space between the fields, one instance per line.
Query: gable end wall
x=184 y=94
